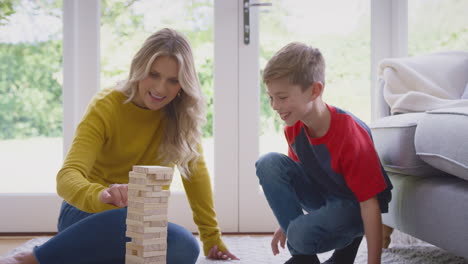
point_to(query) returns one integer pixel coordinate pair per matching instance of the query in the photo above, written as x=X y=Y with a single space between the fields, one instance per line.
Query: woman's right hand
x=116 y=194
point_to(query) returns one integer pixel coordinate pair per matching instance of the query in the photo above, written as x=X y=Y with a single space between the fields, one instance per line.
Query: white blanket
x=422 y=83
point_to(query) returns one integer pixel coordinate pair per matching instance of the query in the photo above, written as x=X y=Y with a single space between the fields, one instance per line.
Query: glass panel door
x=341 y=30
x=124 y=27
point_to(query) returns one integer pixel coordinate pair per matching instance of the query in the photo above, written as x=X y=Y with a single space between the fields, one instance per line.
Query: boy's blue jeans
x=330 y=222
x=100 y=238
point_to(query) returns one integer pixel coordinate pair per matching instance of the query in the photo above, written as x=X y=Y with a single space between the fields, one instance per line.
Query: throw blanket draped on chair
x=423 y=83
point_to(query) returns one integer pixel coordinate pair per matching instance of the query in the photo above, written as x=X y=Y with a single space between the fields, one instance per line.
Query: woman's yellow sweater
x=111 y=138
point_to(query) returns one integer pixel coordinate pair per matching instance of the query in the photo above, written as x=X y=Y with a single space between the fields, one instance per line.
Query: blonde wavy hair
x=185 y=115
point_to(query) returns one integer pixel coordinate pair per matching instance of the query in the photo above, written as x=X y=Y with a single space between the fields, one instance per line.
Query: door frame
x=239 y=204
x=389 y=25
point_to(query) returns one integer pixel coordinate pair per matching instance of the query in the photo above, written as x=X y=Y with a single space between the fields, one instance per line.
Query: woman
x=153 y=118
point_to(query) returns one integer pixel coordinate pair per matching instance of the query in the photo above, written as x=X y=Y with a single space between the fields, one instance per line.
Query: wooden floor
x=8 y=243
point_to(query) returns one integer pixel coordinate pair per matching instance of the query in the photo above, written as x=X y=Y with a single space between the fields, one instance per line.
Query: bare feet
x=20 y=258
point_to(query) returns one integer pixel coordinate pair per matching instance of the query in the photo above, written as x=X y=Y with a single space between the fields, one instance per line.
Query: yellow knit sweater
x=111 y=138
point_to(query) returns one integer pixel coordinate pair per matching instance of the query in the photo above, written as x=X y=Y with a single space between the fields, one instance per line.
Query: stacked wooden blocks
x=147 y=214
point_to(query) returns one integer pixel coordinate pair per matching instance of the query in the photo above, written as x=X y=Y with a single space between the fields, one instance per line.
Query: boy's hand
x=116 y=194
x=215 y=253
x=278 y=237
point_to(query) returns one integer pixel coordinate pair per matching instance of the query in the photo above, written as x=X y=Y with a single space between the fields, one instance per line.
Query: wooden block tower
x=147 y=214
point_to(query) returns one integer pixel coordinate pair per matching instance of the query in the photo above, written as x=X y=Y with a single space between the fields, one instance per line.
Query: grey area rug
x=256 y=250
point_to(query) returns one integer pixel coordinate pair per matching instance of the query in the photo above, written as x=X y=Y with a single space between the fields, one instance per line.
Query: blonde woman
x=153 y=118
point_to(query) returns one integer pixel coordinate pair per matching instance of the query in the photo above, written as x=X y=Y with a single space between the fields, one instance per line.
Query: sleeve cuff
x=207 y=245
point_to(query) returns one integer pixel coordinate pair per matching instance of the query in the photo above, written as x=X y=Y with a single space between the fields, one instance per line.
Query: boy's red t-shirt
x=344 y=161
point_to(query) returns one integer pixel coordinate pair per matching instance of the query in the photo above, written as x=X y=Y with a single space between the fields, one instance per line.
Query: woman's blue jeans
x=100 y=238
x=329 y=223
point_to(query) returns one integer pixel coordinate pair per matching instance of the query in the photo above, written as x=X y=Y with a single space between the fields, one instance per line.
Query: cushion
x=394 y=142
x=441 y=140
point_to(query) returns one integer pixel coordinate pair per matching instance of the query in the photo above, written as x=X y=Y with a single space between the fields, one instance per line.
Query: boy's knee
x=304 y=239
x=308 y=238
x=268 y=162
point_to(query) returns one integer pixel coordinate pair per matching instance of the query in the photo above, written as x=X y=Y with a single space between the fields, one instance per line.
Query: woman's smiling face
x=161 y=85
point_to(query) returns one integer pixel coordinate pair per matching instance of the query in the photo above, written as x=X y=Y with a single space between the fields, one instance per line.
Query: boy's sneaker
x=303 y=259
x=345 y=255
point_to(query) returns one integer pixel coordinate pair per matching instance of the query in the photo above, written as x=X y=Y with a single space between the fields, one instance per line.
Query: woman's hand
x=278 y=237
x=215 y=253
x=116 y=194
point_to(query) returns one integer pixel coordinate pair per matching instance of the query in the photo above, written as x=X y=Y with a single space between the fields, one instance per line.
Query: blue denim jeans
x=313 y=221
x=100 y=238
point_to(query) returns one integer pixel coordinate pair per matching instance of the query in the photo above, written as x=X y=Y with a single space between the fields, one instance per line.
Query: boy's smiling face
x=289 y=101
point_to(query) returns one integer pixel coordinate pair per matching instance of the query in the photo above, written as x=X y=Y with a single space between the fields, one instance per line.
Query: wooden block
x=157 y=223
x=157 y=247
x=158 y=243
x=141 y=217
x=160 y=223
x=157 y=188
x=159 y=176
x=133 y=193
x=139 y=193
x=147 y=196
x=146 y=230
x=162 y=193
x=146 y=236
x=158 y=200
x=140 y=260
x=159 y=182
x=129 y=259
x=152 y=241
x=147 y=211
x=133 y=222
x=138 y=181
x=152 y=169
x=139 y=175
x=146 y=250
x=151 y=176
x=147 y=254
x=140 y=187
x=146 y=205
x=149 y=182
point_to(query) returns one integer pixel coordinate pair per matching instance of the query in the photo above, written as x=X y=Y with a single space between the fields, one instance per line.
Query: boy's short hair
x=300 y=63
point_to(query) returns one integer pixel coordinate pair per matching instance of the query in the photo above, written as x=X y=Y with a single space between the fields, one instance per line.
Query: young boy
x=332 y=171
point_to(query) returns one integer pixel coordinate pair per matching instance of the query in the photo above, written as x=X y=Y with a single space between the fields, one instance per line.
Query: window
x=437 y=25
x=31 y=97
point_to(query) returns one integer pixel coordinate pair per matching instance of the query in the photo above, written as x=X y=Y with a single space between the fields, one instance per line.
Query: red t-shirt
x=343 y=162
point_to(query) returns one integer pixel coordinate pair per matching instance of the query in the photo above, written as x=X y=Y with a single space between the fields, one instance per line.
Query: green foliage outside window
x=6 y=9
x=30 y=90
x=31 y=73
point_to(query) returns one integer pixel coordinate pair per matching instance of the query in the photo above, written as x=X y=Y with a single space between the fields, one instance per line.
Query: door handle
x=247 y=6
